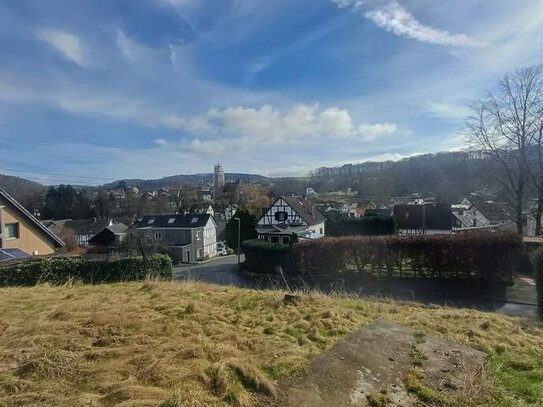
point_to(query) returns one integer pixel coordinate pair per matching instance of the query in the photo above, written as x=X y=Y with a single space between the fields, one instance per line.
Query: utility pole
x=238 y=220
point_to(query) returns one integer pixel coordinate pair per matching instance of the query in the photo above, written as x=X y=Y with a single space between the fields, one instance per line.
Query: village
x=247 y=203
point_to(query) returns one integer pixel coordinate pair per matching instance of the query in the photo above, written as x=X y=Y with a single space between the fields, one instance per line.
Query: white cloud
x=245 y=128
x=68 y=45
x=448 y=109
x=396 y=19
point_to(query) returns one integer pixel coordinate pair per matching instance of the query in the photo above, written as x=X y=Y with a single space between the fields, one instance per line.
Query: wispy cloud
x=396 y=19
x=68 y=45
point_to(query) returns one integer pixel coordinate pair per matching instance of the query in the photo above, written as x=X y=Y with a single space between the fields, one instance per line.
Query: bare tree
x=505 y=126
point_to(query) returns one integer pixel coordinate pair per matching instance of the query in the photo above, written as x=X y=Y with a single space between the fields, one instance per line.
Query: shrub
x=59 y=270
x=538 y=268
x=265 y=257
x=486 y=256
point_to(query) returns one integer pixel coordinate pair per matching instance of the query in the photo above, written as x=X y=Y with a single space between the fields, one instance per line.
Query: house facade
x=290 y=215
x=21 y=230
x=110 y=238
x=189 y=237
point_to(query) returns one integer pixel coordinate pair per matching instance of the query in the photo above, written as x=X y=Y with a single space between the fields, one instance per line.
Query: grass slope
x=191 y=344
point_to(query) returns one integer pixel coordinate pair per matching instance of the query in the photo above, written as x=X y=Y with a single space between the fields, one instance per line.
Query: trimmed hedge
x=265 y=257
x=538 y=268
x=488 y=256
x=59 y=270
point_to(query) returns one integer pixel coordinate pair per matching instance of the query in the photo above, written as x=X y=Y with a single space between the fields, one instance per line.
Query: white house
x=287 y=216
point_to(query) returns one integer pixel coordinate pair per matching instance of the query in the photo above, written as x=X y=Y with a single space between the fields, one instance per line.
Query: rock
x=359 y=368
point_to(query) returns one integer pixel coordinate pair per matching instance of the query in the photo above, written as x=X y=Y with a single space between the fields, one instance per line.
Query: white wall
x=210 y=239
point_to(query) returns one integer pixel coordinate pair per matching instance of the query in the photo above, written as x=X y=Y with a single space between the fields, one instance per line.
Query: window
x=266 y=238
x=158 y=235
x=194 y=220
x=286 y=240
x=11 y=231
x=199 y=253
x=321 y=231
x=281 y=216
x=171 y=220
x=151 y=221
x=474 y=222
x=198 y=235
x=275 y=239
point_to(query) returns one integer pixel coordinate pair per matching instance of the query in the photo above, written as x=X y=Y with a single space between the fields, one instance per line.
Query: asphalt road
x=224 y=271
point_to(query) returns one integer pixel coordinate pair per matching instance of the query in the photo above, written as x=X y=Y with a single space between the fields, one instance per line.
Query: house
x=468 y=216
x=21 y=230
x=290 y=215
x=348 y=210
x=204 y=209
x=189 y=237
x=230 y=211
x=356 y=209
x=205 y=194
x=83 y=229
x=110 y=238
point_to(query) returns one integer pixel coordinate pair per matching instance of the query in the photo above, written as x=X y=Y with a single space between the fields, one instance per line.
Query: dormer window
x=194 y=220
x=151 y=221
x=171 y=220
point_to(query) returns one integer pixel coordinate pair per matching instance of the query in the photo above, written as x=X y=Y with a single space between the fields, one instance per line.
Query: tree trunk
x=539 y=213
x=520 y=199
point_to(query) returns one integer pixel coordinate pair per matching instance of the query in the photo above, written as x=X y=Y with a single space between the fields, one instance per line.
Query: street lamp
x=238 y=220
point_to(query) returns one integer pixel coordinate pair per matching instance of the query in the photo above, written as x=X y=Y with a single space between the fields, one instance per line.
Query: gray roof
x=46 y=232
x=173 y=221
x=305 y=209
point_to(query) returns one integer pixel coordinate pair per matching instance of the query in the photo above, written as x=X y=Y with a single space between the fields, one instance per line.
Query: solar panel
x=5 y=256
x=10 y=254
x=17 y=253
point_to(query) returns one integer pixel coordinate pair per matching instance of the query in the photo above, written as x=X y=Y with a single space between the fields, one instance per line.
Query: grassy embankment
x=190 y=344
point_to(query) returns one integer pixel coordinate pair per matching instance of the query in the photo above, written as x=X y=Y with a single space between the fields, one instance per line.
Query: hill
x=189 y=179
x=173 y=344
x=449 y=175
x=29 y=193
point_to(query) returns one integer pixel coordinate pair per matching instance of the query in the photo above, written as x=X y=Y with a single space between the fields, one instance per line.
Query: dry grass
x=192 y=344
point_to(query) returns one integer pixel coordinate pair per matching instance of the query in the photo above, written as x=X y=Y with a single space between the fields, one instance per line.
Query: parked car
x=221 y=249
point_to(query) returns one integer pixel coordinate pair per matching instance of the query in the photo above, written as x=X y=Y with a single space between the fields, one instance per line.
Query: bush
x=538 y=268
x=265 y=257
x=485 y=256
x=59 y=270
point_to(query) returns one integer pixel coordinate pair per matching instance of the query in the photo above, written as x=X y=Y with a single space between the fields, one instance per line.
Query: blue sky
x=92 y=91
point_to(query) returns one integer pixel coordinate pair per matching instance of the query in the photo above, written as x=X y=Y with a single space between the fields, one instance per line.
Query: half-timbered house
x=287 y=216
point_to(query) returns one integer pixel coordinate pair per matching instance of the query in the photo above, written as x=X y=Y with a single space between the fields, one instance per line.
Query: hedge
x=59 y=270
x=488 y=256
x=538 y=267
x=265 y=257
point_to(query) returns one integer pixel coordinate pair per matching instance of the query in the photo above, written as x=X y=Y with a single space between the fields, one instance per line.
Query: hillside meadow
x=173 y=344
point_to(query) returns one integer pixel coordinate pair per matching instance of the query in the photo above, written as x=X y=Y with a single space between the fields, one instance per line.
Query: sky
x=94 y=91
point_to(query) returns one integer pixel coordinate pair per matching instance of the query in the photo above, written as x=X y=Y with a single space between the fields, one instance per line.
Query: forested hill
x=23 y=190
x=449 y=175
x=176 y=180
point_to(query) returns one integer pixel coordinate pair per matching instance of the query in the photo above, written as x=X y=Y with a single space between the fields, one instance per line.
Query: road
x=517 y=300
x=222 y=271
